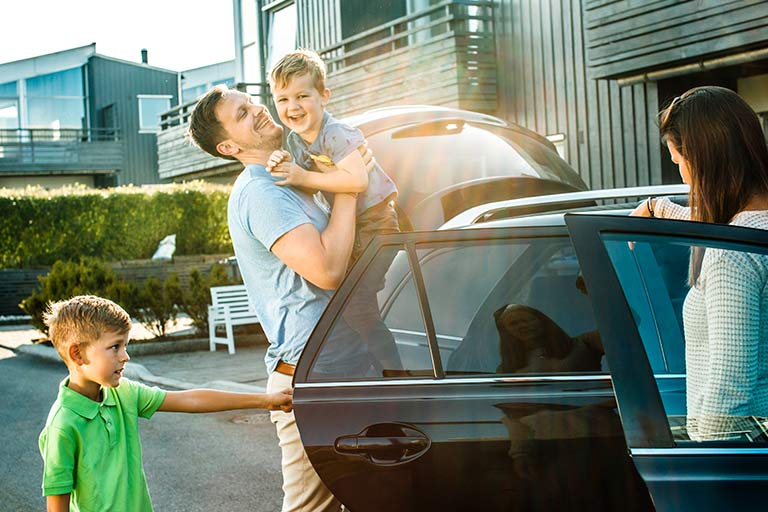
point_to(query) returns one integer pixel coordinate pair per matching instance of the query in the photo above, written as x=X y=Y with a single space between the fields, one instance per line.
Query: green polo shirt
x=92 y=449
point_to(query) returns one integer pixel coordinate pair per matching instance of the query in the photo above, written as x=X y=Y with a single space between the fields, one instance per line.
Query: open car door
x=636 y=273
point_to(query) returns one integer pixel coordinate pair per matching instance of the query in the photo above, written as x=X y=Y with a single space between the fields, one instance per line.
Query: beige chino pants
x=302 y=488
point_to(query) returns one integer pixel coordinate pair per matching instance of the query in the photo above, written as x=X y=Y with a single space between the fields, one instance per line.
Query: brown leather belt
x=285 y=368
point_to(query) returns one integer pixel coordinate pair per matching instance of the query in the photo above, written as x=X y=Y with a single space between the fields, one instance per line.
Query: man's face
x=248 y=125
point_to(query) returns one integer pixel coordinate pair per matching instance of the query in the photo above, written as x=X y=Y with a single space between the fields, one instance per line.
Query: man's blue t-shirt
x=288 y=306
x=336 y=141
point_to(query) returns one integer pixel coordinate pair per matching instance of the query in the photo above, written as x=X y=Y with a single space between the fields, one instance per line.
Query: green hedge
x=39 y=227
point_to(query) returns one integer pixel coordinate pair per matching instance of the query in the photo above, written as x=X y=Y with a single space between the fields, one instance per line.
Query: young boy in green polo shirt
x=90 y=443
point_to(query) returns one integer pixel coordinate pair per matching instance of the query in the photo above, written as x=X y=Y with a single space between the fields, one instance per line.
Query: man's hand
x=291 y=173
x=367 y=154
x=280 y=400
x=276 y=158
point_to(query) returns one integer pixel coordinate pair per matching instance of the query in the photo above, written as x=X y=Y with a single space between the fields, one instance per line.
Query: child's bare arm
x=210 y=400
x=57 y=503
x=350 y=175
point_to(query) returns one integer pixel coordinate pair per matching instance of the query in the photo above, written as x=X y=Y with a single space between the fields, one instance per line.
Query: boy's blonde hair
x=82 y=320
x=298 y=63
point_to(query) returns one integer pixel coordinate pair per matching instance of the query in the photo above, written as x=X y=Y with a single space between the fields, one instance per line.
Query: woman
x=715 y=139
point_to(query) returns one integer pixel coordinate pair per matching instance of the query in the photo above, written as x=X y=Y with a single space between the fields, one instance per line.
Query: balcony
x=39 y=151
x=179 y=159
x=444 y=55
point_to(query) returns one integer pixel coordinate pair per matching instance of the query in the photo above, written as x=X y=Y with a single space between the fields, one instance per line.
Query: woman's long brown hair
x=720 y=137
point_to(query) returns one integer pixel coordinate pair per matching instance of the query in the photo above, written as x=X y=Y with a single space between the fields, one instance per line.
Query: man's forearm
x=339 y=235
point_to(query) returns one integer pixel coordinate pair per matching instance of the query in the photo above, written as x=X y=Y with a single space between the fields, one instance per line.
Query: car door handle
x=385 y=443
x=363 y=444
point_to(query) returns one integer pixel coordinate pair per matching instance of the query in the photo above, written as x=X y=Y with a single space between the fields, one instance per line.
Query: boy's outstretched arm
x=211 y=400
x=350 y=175
x=57 y=503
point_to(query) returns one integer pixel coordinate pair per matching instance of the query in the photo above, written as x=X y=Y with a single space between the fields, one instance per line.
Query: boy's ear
x=227 y=147
x=76 y=354
x=326 y=95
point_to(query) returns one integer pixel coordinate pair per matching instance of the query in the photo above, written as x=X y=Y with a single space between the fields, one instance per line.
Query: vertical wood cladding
x=611 y=137
x=112 y=82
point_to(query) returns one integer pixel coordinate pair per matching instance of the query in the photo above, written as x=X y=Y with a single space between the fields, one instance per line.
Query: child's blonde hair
x=298 y=63
x=82 y=320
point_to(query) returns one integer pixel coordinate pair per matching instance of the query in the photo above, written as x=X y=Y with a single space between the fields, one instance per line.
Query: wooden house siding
x=625 y=37
x=111 y=82
x=455 y=68
x=610 y=133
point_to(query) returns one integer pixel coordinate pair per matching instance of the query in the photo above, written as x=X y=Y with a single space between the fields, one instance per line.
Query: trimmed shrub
x=154 y=303
x=39 y=227
x=157 y=304
x=87 y=276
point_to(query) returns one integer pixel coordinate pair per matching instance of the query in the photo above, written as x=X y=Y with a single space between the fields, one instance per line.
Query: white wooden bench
x=230 y=307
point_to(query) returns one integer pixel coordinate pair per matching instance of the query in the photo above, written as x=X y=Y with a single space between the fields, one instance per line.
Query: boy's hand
x=291 y=173
x=280 y=400
x=276 y=158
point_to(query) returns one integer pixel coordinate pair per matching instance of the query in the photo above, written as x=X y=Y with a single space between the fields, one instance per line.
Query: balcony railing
x=60 y=150
x=179 y=116
x=443 y=55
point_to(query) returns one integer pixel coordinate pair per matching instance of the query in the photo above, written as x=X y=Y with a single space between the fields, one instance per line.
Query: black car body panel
x=451 y=439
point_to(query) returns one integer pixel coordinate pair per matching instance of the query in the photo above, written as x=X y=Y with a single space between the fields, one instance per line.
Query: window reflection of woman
x=715 y=139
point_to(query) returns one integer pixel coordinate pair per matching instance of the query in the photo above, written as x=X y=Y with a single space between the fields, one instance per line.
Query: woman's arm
x=663 y=208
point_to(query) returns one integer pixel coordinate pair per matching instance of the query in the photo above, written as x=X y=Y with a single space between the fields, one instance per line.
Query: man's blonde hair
x=82 y=320
x=298 y=63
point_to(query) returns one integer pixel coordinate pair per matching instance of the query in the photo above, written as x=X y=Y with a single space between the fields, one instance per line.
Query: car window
x=512 y=306
x=702 y=341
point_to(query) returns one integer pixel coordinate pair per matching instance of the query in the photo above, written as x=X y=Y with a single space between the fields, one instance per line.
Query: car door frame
x=676 y=476
x=309 y=394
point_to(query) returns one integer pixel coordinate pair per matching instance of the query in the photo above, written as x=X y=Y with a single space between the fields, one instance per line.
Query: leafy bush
x=157 y=304
x=153 y=303
x=87 y=276
x=40 y=227
x=197 y=297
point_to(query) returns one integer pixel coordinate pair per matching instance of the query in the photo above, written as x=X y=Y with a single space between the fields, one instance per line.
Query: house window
x=359 y=16
x=9 y=106
x=281 y=20
x=150 y=108
x=56 y=100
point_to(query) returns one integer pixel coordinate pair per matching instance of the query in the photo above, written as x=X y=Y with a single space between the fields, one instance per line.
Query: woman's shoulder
x=757 y=219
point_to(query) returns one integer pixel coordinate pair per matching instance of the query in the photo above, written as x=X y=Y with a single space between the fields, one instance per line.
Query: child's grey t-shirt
x=336 y=140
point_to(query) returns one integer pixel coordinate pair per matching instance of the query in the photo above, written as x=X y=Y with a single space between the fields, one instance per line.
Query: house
x=76 y=116
x=588 y=74
x=195 y=82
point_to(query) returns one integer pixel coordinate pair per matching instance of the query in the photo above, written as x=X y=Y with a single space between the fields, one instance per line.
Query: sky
x=178 y=34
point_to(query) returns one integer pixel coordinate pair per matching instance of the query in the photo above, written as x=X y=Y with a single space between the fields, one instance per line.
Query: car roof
x=549 y=210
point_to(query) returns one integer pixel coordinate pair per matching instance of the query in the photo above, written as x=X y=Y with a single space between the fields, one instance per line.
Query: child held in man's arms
x=318 y=142
x=90 y=443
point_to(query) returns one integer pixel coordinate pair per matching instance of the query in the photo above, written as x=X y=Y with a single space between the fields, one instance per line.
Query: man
x=291 y=256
